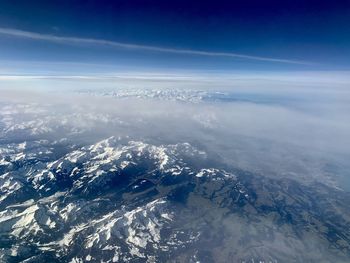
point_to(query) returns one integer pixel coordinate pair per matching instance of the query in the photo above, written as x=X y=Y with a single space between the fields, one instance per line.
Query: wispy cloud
x=102 y=42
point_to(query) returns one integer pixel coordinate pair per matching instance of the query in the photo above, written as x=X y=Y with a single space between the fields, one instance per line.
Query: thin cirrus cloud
x=102 y=42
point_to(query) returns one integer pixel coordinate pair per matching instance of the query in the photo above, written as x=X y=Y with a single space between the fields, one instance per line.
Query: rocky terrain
x=119 y=200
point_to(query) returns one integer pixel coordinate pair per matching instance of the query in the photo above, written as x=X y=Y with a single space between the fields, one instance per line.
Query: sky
x=285 y=64
x=85 y=37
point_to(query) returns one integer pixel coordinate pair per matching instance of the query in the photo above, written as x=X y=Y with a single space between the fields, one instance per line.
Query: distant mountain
x=169 y=94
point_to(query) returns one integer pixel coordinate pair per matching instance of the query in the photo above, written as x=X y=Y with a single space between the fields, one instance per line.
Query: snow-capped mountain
x=119 y=201
x=180 y=95
x=111 y=197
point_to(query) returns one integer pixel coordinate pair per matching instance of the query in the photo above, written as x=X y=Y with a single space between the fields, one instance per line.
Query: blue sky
x=174 y=35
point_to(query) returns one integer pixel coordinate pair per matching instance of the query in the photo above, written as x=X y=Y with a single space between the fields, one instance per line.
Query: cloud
x=102 y=42
x=292 y=125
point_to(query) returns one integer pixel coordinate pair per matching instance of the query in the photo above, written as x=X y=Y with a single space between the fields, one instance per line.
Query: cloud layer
x=281 y=126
